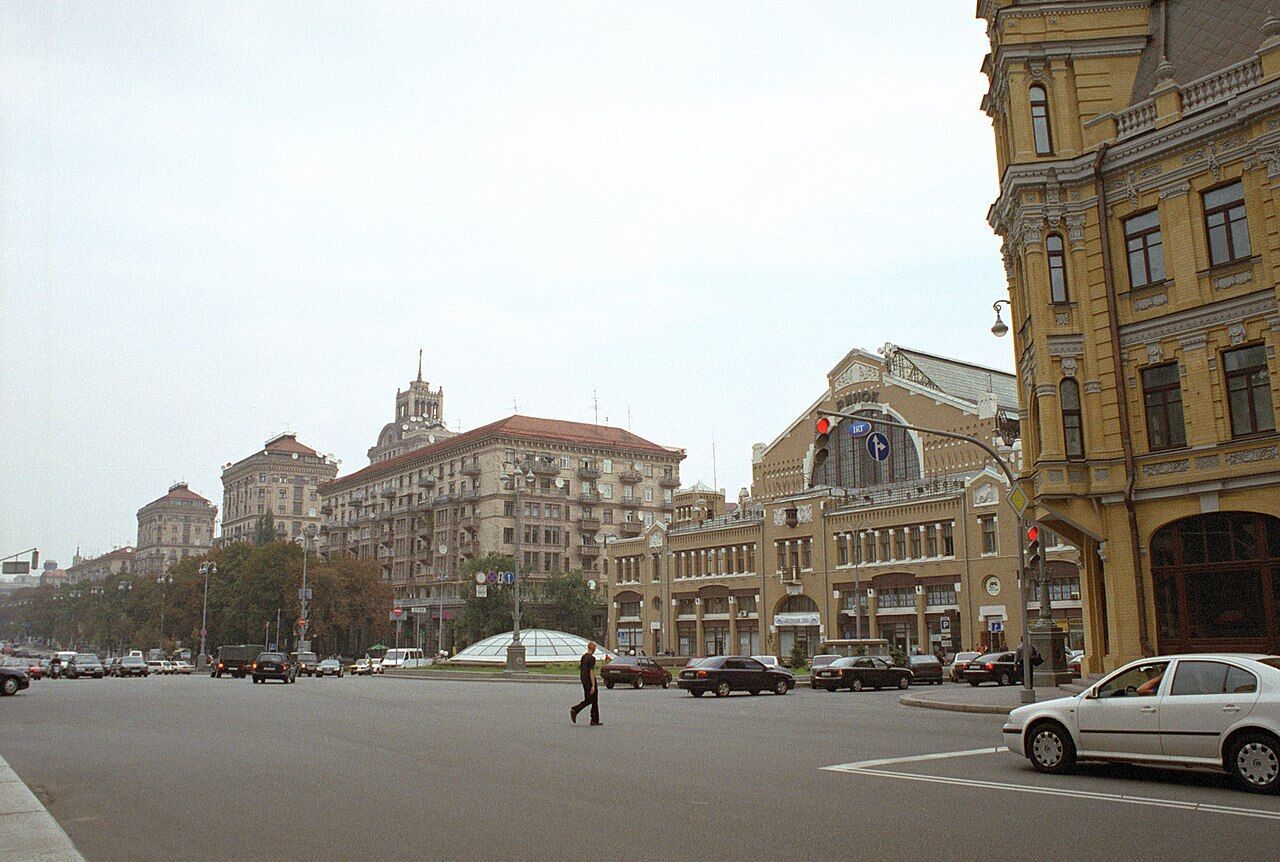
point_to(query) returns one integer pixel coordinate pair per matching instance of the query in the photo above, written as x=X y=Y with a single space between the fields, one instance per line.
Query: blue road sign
x=878 y=446
x=859 y=429
x=508 y=577
x=995 y=626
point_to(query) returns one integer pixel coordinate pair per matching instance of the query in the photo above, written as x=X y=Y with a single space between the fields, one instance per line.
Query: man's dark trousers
x=590 y=697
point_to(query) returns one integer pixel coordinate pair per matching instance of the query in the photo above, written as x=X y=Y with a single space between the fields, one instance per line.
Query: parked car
x=22 y=664
x=1002 y=668
x=169 y=667
x=862 y=671
x=131 y=665
x=1209 y=710
x=362 y=667
x=85 y=664
x=183 y=667
x=403 y=658
x=273 y=665
x=156 y=667
x=1074 y=664
x=635 y=671
x=306 y=662
x=766 y=660
x=12 y=679
x=818 y=662
x=925 y=669
x=959 y=664
x=329 y=667
x=725 y=674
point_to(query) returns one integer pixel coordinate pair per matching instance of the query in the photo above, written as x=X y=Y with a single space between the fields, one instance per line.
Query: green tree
x=568 y=604
x=495 y=613
x=264 y=531
x=799 y=655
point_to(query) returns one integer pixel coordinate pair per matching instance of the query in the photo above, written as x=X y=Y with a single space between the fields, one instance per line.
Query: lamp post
x=124 y=588
x=164 y=580
x=206 y=569
x=515 y=651
x=308 y=534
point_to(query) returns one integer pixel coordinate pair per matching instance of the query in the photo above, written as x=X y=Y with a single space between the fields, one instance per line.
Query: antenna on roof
x=715 y=483
x=419 y=364
x=515 y=406
x=628 y=417
x=595 y=405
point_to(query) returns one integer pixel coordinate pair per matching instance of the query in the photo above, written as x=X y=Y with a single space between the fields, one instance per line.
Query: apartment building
x=175 y=526
x=283 y=478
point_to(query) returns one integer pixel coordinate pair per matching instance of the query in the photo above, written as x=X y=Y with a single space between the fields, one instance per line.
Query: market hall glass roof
x=542 y=646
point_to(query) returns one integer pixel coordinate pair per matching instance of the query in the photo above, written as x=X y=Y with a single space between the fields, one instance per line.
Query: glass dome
x=541 y=646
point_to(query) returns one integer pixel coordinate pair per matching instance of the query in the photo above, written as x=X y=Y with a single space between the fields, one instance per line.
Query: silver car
x=1210 y=710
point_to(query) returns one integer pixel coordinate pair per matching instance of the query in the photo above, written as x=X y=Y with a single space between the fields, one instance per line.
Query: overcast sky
x=220 y=221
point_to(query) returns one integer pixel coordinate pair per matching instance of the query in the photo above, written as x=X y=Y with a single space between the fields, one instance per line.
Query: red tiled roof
x=180 y=491
x=528 y=427
x=288 y=443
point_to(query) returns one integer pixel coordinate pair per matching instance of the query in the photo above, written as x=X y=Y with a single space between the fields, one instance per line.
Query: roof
x=526 y=427
x=1200 y=38
x=180 y=491
x=288 y=443
x=964 y=380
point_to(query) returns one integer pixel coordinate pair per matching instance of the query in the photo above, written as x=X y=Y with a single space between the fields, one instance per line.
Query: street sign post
x=878 y=446
x=859 y=429
x=482 y=591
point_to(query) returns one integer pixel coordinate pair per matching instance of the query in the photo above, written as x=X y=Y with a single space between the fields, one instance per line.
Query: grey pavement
x=988 y=699
x=28 y=832
x=176 y=768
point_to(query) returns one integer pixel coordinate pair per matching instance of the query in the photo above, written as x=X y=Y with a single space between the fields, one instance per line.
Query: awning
x=797 y=619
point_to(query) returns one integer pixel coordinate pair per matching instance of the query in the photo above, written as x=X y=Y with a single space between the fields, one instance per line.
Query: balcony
x=545 y=468
x=426 y=481
x=590 y=549
x=589 y=496
x=632 y=528
x=468 y=494
x=390 y=493
x=667 y=506
x=630 y=502
x=589 y=472
x=630 y=477
x=471 y=470
x=588 y=525
x=669 y=481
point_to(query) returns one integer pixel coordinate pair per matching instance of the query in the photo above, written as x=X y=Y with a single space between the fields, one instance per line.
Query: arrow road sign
x=859 y=429
x=508 y=577
x=878 y=446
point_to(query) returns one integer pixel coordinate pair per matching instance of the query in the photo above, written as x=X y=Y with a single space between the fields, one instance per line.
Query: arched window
x=1072 y=421
x=1057 y=269
x=1040 y=120
x=850 y=465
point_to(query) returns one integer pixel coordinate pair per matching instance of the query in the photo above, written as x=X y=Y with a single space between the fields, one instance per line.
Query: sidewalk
x=989 y=699
x=28 y=832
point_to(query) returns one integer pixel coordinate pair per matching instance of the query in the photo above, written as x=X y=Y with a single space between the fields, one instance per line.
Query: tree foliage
x=264 y=529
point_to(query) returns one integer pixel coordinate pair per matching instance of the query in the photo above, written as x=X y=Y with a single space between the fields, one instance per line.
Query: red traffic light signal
x=1033 y=533
x=824 y=425
x=820 y=446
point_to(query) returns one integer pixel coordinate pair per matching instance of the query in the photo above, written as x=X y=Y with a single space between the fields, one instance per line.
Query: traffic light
x=1033 y=547
x=35 y=561
x=821 y=442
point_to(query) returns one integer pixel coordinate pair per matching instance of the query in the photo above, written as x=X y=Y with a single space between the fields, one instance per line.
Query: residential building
x=176 y=526
x=1138 y=145
x=419 y=421
x=119 y=561
x=283 y=477
x=424 y=513
x=920 y=549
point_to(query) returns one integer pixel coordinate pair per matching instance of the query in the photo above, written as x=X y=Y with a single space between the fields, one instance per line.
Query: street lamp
x=308 y=534
x=516 y=651
x=206 y=569
x=124 y=588
x=164 y=580
x=1000 y=329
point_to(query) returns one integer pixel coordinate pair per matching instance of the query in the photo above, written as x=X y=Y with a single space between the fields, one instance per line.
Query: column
x=873 y=626
x=922 y=624
x=733 y=624
x=698 y=648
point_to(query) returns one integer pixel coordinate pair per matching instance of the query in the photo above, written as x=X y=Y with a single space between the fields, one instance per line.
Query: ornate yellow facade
x=1138 y=145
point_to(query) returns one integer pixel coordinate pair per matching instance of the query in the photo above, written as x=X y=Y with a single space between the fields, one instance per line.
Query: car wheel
x=10 y=685
x=665 y=683
x=780 y=687
x=723 y=688
x=697 y=693
x=638 y=682
x=973 y=682
x=609 y=685
x=1005 y=679
x=856 y=685
x=1050 y=749
x=830 y=688
x=1253 y=759
x=904 y=681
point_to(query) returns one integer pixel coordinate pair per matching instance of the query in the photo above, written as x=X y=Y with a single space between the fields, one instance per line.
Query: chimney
x=987 y=405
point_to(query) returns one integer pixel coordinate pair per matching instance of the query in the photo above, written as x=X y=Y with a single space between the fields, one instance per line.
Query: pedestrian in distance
x=590 y=691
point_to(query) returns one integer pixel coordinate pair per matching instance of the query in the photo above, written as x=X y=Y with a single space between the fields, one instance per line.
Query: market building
x=1138 y=145
x=283 y=478
x=920 y=549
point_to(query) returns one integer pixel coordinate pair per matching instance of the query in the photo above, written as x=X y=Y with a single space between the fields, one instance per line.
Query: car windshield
x=87 y=658
x=845 y=662
x=132 y=660
x=306 y=656
x=924 y=659
x=330 y=661
x=271 y=656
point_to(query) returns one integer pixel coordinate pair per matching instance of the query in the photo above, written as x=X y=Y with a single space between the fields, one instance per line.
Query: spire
x=419 y=365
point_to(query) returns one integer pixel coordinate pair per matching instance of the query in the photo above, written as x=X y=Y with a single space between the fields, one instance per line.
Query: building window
x=989 y=535
x=914 y=533
x=1225 y=224
x=1162 y=394
x=900 y=544
x=1040 y=120
x=940 y=595
x=1145 y=249
x=608 y=465
x=884 y=545
x=842 y=550
x=931 y=541
x=1072 y=421
x=1248 y=390
x=948 y=541
x=1057 y=269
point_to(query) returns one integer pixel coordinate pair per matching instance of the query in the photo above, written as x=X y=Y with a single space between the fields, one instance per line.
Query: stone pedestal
x=515 y=659
x=1051 y=643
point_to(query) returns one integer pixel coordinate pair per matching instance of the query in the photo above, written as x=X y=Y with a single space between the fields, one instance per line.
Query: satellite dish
x=295 y=456
x=559 y=481
x=591 y=585
x=638 y=466
x=444 y=549
x=404 y=427
x=431 y=438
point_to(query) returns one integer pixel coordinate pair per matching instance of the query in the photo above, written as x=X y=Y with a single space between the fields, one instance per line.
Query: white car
x=157 y=667
x=769 y=661
x=183 y=667
x=1209 y=710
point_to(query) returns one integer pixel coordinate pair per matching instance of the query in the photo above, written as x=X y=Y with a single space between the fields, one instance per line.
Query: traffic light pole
x=1028 y=692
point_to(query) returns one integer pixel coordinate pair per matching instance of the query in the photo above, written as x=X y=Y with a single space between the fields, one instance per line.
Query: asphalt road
x=180 y=768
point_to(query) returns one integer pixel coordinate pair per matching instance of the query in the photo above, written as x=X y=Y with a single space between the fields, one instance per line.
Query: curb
x=463 y=676
x=28 y=832
x=984 y=708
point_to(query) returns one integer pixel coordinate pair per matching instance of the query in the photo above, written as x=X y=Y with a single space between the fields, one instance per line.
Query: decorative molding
x=1075 y=227
x=1061 y=318
x=1056 y=476
x=1223 y=282
x=1236 y=333
x=1196 y=341
x=857 y=372
x=1180 y=323
x=1152 y=301
x=1206 y=462
x=1066 y=345
x=1101 y=474
x=1069 y=366
x=1093 y=387
x=1175 y=191
x=1043 y=389
x=1166 y=467
x=1271 y=158
x=1266 y=453
x=1155 y=352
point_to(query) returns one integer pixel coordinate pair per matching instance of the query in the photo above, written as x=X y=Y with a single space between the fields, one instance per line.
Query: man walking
x=590 y=692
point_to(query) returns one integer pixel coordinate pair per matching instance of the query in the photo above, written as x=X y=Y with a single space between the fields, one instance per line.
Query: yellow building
x=1138 y=145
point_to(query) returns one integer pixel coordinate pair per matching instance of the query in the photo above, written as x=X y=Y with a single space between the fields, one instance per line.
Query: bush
x=799 y=655
x=898 y=656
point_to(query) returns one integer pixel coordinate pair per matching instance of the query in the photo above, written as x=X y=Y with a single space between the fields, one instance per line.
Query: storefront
x=798 y=621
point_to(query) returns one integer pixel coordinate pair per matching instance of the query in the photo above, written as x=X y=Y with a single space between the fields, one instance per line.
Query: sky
x=220 y=221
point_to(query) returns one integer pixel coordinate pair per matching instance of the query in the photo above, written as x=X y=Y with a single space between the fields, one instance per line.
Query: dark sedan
x=925 y=669
x=130 y=665
x=13 y=679
x=635 y=671
x=998 y=667
x=729 y=673
x=85 y=664
x=859 y=672
x=273 y=665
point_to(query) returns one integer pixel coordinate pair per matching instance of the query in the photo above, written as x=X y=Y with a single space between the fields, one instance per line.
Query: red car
x=635 y=671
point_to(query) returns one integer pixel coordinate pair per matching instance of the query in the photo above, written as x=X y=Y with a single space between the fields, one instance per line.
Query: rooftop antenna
x=515 y=406
x=715 y=483
x=628 y=417
x=595 y=405
x=419 y=364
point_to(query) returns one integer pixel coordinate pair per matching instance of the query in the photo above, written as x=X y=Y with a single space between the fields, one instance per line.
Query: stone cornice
x=1185 y=323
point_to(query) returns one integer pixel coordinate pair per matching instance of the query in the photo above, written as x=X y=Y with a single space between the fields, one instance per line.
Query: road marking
x=868 y=767
x=915 y=758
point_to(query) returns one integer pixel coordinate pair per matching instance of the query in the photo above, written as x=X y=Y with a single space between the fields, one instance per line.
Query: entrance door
x=1205 y=699
x=1123 y=716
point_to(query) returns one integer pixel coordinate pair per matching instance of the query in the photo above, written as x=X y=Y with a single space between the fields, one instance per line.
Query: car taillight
x=990 y=665
x=702 y=674
x=286 y=665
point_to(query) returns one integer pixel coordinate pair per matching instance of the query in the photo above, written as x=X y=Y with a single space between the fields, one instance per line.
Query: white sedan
x=1212 y=710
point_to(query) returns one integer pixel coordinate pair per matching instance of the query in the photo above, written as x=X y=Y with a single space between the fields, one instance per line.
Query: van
x=404 y=658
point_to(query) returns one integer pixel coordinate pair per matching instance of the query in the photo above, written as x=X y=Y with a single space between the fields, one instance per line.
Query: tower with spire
x=419 y=420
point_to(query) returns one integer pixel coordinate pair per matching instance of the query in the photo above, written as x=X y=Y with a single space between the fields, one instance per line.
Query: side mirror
x=1091 y=694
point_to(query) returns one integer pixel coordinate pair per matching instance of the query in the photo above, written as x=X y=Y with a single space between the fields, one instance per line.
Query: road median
x=998 y=700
